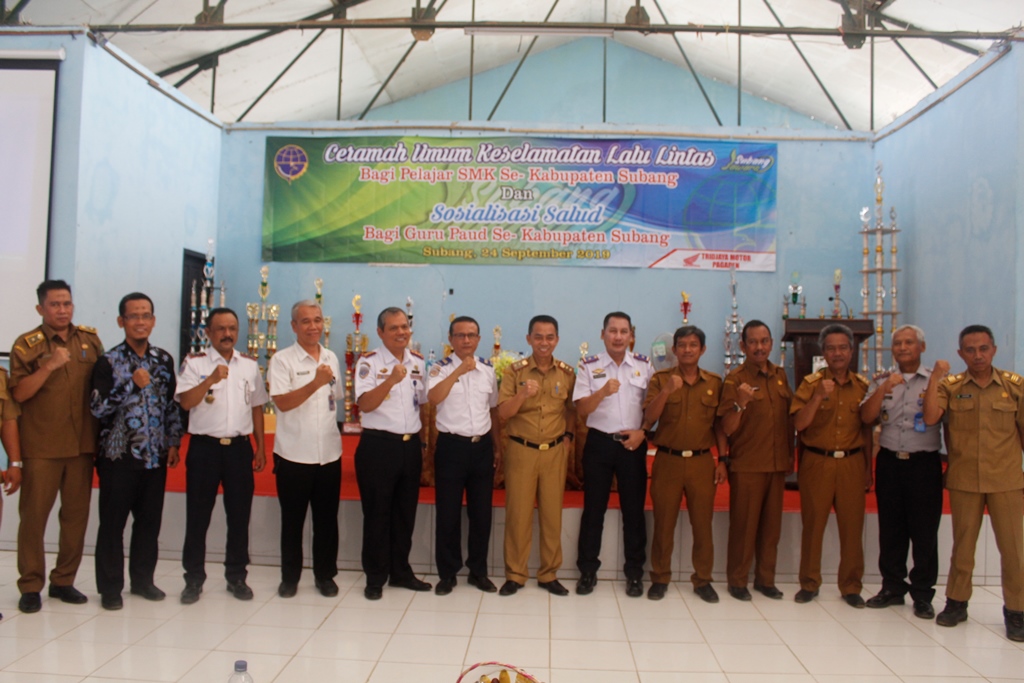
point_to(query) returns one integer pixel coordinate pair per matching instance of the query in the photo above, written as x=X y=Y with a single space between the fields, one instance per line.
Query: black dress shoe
x=112 y=601
x=706 y=593
x=150 y=592
x=768 y=591
x=412 y=583
x=482 y=582
x=634 y=588
x=327 y=587
x=373 y=592
x=553 y=587
x=740 y=593
x=585 y=584
x=923 y=610
x=953 y=614
x=30 y=602
x=1014 y=621
x=445 y=586
x=804 y=596
x=657 y=591
x=240 y=589
x=68 y=594
x=287 y=589
x=854 y=600
x=885 y=598
x=191 y=593
x=509 y=588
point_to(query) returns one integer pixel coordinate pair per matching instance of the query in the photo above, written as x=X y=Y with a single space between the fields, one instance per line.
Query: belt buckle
x=544 y=447
x=475 y=439
x=903 y=455
x=406 y=437
x=838 y=455
x=686 y=454
x=225 y=441
x=619 y=437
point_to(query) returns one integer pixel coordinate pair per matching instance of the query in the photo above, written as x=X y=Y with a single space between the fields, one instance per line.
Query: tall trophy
x=356 y=345
x=684 y=308
x=734 y=356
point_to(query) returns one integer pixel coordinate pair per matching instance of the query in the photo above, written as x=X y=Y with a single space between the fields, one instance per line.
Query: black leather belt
x=391 y=436
x=614 y=437
x=460 y=437
x=833 y=454
x=905 y=455
x=538 y=446
x=220 y=441
x=683 y=454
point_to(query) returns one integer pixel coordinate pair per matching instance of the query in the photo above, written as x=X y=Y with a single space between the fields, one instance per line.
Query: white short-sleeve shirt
x=308 y=433
x=466 y=410
x=623 y=409
x=399 y=412
x=226 y=410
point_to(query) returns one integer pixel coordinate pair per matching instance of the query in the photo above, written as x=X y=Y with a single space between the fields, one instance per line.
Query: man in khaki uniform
x=684 y=402
x=984 y=410
x=9 y=412
x=755 y=416
x=835 y=465
x=535 y=398
x=51 y=371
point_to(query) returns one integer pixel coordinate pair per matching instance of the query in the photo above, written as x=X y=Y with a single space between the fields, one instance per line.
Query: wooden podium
x=803 y=333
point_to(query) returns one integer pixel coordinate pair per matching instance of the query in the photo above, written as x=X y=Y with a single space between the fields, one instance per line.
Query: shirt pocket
x=1004 y=415
x=710 y=404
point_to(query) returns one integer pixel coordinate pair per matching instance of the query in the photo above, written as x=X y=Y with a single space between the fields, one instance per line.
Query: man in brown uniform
x=755 y=416
x=51 y=369
x=535 y=398
x=684 y=401
x=984 y=410
x=835 y=465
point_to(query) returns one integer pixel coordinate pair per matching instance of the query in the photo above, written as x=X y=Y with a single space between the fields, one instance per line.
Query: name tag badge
x=304 y=372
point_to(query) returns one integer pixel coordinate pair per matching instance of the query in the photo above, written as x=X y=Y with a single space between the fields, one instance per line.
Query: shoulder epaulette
x=485 y=361
x=86 y=328
x=952 y=379
x=861 y=378
x=711 y=374
x=588 y=359
x=34 y=338
x=444 y=361
x=201 y=354
x=565 y=367
x=641 y=357
x=1013 y=378
x=520 y=364
x=814 y=377
x=416 y=353
x=246 y=355
x=369 y=354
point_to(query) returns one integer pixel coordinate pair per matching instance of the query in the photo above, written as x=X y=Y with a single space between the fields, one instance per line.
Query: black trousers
x=207 y=466
x=388 y=475
x=124 y=491
x=461 y=466
x=301 y=486
x=909 y=496
x=604 y=458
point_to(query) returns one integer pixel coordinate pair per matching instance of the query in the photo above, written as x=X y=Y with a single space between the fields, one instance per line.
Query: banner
x=643 y=203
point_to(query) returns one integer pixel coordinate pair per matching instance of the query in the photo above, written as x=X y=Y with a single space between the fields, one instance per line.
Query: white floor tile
x=349 y=645
x=425 y=622
x=663 y=630
x=270 y=639
x=688 y=657
x=587 y=628
x=363 y=619
x=113 y=629
x=389 y=672
x=740 y=631
x=511 y=626
x=418 y=649
x=526 y=653
x=850 y=659
x=217 y=666
x=307 y=669
x=923 y=661
x=298 y=615
x=576 y=676
x=67 y=658
x=750 y=658
x=179 y=633
x=582 y=654
x=140 y=662
x=682 y=677
x=1006 y=665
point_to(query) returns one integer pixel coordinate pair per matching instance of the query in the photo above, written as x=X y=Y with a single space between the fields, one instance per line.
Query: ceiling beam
x=280 y=75
x=13 y=17
x=519 y=66
x=570 y=27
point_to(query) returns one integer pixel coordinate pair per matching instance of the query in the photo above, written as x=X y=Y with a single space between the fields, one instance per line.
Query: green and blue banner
x=632 y=202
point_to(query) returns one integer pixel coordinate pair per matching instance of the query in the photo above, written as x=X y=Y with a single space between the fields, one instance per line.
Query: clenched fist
x=324 y=374
x=398 y=374
x=219 y=373
x=941 y=369
x=141 y=378
x=530 y=388
x=611 y=387
x=825 y=388
x=744 y=394
x=59 y=359
x=467 y=366
x=675 y=383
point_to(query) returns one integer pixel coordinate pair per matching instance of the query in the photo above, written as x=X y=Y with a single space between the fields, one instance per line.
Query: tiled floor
x=603 y=638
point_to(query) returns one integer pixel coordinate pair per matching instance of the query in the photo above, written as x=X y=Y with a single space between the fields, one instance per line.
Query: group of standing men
x=74 y=405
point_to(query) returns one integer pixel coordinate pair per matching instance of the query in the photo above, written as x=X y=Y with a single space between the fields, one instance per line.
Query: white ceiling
x=772 y=69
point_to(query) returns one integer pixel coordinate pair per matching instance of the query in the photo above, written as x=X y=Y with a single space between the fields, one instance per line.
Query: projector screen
x=28 y=92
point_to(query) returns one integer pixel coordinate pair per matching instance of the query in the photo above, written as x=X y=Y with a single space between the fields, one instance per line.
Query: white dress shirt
x=399 y=412
x=229 y=414
x=467 y=409
x=623 y=409
x=308 y=433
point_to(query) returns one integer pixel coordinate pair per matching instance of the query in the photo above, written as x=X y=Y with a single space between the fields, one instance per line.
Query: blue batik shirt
x=137 y=426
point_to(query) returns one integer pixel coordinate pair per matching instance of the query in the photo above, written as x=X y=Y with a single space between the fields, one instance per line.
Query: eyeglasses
x=465 y=336
x=136 y=317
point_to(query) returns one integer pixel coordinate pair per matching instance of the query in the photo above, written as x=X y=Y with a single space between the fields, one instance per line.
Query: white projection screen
x=28 y=92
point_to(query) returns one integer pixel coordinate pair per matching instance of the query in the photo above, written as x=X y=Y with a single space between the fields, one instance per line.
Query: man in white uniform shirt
x=389 y=390
x=224 y=394
x=609 y=394
x=465 y=390
x=307 y=449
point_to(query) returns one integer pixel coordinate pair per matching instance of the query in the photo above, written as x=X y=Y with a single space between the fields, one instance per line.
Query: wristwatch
x=17 y=463
x=738 y=408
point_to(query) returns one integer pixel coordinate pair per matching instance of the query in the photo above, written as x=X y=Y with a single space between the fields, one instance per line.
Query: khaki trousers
x=533 y=476
x=671 y=477
x=1006 y=514
x=42 y=480
x=826 y=483
x=755 y=526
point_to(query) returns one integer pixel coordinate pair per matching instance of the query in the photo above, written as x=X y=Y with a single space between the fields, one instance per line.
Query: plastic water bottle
x=241 y=674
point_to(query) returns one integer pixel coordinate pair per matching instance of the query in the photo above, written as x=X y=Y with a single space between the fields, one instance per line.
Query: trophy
x=223 y=293
x=194 y=321
x=836 y=280
x=319 y=284
x=497 y=342
x=264 y=291
x=356 y=344
x=252 y=314
x=413 y=345
x=327 y=332
x=273 y=311
x=733 y=330
x=584 y=349
x=685 y=308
